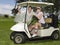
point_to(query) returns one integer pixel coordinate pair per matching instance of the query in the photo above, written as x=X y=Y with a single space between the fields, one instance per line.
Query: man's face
x=29 y=9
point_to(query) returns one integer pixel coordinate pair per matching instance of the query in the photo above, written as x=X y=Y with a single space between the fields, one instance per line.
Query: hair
x=30 y=7
x=39 y=8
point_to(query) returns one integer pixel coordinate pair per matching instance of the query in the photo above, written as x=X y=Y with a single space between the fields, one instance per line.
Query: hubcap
x=18 y=39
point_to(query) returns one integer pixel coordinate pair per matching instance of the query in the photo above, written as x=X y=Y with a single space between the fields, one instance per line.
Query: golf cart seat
x=48 y=21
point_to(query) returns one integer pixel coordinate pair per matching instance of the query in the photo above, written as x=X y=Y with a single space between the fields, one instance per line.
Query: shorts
x=43 y=25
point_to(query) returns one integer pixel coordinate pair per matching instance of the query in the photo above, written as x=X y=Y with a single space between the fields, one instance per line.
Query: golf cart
x=21 y=32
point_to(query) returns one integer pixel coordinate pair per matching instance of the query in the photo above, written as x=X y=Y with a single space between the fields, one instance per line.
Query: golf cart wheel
x=55 y=35
x=12 y=35
x=19 y=38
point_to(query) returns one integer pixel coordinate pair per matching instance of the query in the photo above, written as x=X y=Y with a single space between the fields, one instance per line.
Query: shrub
x=6 y=16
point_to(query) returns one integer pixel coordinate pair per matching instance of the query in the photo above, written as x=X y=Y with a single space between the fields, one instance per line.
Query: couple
x=39 y=15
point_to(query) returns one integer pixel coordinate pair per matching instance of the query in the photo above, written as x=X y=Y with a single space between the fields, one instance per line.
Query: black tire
x=55 y=35
x=12 y=35
x=19 y=38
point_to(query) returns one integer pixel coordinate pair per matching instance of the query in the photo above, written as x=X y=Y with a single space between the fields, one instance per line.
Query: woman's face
x=38 y=10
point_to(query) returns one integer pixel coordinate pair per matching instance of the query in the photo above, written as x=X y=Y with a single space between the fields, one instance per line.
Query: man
x=30 y=14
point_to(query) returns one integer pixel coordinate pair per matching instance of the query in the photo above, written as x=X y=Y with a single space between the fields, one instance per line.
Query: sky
x=6 y=6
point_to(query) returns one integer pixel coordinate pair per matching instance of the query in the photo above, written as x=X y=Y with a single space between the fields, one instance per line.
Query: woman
x=39 y=15
x=40 y=23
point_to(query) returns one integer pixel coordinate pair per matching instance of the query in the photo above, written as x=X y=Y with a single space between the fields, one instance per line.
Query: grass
x=5 y=25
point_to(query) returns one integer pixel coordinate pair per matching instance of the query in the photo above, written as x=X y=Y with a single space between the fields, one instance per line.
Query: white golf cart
x=21 y=32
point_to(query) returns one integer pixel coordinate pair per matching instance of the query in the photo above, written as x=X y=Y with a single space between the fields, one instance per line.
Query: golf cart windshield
x=21 y=16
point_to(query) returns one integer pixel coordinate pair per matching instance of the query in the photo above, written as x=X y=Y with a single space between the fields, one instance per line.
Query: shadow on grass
x=42 y=40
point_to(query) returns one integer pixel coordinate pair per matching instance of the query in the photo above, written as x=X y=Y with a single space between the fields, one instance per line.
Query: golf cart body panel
x=47 y=32
x=20 y=28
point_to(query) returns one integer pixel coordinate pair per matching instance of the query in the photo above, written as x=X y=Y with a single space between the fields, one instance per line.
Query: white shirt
x=29 y=16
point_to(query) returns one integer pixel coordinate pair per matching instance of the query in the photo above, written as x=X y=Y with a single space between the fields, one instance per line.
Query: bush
x=6 y=16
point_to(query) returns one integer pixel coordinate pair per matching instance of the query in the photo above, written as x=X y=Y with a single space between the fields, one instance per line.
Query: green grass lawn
x=5 y=25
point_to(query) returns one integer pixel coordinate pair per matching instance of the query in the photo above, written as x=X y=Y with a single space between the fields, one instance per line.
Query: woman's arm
x=39 y=16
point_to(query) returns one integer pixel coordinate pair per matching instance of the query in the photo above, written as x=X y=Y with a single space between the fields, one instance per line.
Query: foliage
x=34 y=20
x=6 y=16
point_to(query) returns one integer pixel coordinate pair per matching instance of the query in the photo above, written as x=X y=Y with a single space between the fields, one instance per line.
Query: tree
x=6 y=15
x=56 y=4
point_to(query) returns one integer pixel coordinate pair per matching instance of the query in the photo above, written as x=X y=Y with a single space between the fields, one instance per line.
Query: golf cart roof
x=32 y=3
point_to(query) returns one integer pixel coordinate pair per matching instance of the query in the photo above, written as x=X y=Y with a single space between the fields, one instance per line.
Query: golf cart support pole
x=25 y=18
